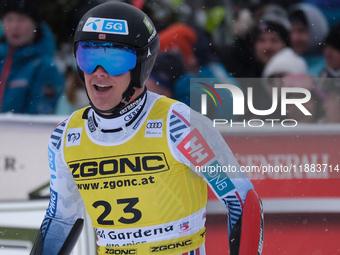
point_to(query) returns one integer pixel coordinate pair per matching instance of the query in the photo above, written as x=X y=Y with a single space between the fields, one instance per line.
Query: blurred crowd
x=252 y=44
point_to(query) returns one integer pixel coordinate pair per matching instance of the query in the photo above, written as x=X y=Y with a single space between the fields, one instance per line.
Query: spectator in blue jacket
x=30 y=81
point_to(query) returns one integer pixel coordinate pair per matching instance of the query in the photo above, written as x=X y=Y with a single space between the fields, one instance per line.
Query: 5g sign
x=239 y=100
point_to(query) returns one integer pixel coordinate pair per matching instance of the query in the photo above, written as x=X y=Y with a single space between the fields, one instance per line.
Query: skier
x=134 y=159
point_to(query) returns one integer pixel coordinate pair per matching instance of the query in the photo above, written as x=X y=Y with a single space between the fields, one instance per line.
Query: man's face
x=267 y=45
x=105 y=91
x=299 y=37
x=332 y=56
x=19 y=29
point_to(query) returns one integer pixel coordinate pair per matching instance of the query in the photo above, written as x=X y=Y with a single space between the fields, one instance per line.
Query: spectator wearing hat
x=329 y=8
x=282 y=63
x=270 y=37
x=287 y=69
x=29 y=79
x=331 y=85
x=267 y=33
x=314 y=106
x=285 y=62
x=331 y=53
x=180 y=38
x=200 y=62
x=309 y=29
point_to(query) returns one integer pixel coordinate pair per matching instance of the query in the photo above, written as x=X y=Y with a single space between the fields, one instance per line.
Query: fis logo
x=109 y=26
x=73 y=136
x=184 y=226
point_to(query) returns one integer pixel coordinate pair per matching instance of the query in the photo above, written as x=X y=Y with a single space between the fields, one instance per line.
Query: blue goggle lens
x=114 y=59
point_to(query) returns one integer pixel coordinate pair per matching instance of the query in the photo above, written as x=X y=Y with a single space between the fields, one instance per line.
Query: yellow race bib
x=136 y=191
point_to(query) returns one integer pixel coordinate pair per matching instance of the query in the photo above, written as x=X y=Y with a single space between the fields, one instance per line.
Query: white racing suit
x=142 y=176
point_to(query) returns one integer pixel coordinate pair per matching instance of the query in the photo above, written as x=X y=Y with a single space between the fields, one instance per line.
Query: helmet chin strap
x=127 y=95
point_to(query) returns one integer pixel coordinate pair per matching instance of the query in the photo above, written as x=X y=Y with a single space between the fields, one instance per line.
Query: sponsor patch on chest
x=73 y=136
x=154 y=128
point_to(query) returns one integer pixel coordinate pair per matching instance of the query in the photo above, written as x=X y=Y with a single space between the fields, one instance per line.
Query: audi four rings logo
x=154 y=128
x=154 y=125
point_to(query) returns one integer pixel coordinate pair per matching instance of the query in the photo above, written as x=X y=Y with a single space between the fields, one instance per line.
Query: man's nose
x=100 y=71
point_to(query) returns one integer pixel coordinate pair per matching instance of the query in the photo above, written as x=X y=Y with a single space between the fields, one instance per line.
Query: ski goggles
x=114 y=59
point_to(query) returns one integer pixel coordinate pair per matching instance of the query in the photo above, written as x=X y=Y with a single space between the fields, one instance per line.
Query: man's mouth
x=101 y=87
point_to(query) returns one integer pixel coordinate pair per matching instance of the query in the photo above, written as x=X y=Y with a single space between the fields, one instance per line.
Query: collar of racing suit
x=126 y=117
